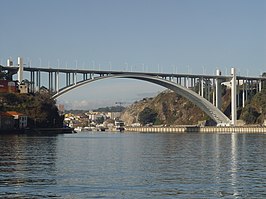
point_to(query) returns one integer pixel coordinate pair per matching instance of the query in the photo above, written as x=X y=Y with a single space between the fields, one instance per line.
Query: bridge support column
x=233 y=97
x=73 y=78
x=54 y=81
x=84 y=77
x=252 y=88
x=260 y=86
x=237 y=94
x=218 y=90
x=202 y=87
x=57 y=81
x=213 y=92
x=208 y=91
x=185 y=82
x=68 y=82
x=50 y=81
x=20 y=69
x=32 y=81
x=243 y=93
x=247 y=89
x=38 y=81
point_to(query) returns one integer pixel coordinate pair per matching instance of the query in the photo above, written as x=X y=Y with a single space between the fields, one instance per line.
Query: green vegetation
x=99 y=120
x=255 y=110
x=249 y=114
x=147 y=116
x=40 y=108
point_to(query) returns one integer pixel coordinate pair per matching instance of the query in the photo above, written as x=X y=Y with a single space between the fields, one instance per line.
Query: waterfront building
x=21 y=120
x=6 y=121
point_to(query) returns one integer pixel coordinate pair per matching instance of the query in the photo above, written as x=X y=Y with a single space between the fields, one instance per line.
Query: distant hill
x=102 y=109
x=110 y=109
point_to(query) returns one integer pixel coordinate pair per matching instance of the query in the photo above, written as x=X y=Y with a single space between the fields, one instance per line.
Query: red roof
x=14 y=113
x=4 y=114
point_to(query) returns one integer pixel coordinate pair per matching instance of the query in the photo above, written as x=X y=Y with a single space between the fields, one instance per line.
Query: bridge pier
x=202 y=87
x=243 y=93
x=50 y=81
x=237 y=94
x=57 y=81
x=38 y=80
x=32 y=81
x=20 y=69
x=208 y=89
x=233 y=97
x=260 y=85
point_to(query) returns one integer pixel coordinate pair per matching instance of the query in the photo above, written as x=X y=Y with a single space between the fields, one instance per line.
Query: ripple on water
x=106 y=165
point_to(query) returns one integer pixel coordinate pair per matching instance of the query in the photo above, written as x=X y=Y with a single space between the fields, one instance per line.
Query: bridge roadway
x=106 y=72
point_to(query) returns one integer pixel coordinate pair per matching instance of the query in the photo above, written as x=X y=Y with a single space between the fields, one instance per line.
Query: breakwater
x=196 y=129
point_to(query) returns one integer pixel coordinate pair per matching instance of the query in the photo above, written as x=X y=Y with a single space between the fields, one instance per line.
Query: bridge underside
x=201 y=102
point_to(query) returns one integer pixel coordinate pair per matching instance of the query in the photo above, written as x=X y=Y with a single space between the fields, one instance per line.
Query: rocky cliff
x=171 y=109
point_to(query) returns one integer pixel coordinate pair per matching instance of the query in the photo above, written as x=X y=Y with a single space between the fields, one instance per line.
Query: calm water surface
x=106 y=165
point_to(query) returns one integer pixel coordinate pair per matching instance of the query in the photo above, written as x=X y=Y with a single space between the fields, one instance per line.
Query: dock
x=196 y=129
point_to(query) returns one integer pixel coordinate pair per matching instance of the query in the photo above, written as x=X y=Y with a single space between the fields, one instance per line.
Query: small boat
x=78 y=129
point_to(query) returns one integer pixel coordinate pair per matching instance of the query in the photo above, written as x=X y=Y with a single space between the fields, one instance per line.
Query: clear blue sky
x=176 y=35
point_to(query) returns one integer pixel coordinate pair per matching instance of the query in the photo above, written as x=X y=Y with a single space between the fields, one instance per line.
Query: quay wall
x=195 y=129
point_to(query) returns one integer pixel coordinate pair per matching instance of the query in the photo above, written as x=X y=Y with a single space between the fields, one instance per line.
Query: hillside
x=255 y=110
x=40 y=108
x=171 y=109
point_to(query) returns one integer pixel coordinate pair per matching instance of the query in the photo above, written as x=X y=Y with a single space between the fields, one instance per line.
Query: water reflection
x=26 y=161
x=234 y=163
x=106 y=165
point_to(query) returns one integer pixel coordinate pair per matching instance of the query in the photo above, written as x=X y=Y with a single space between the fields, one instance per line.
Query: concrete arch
x=201 y=102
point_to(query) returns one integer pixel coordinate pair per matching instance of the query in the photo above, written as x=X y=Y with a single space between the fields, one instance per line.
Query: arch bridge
x=202 y=90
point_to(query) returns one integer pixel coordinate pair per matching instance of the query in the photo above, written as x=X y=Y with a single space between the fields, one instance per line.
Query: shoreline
x=196 y=129
x=37 y=131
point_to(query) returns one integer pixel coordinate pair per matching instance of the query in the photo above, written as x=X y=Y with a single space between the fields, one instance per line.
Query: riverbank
x=49 y=131
x=37 y=131
x=196 y=129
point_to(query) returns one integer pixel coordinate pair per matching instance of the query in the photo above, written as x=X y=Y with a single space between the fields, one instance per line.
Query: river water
x=133 y=165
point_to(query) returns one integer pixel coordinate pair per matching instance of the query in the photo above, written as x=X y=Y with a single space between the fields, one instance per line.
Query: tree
x=147 y=116
x=99 y=120
x=249 y=114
